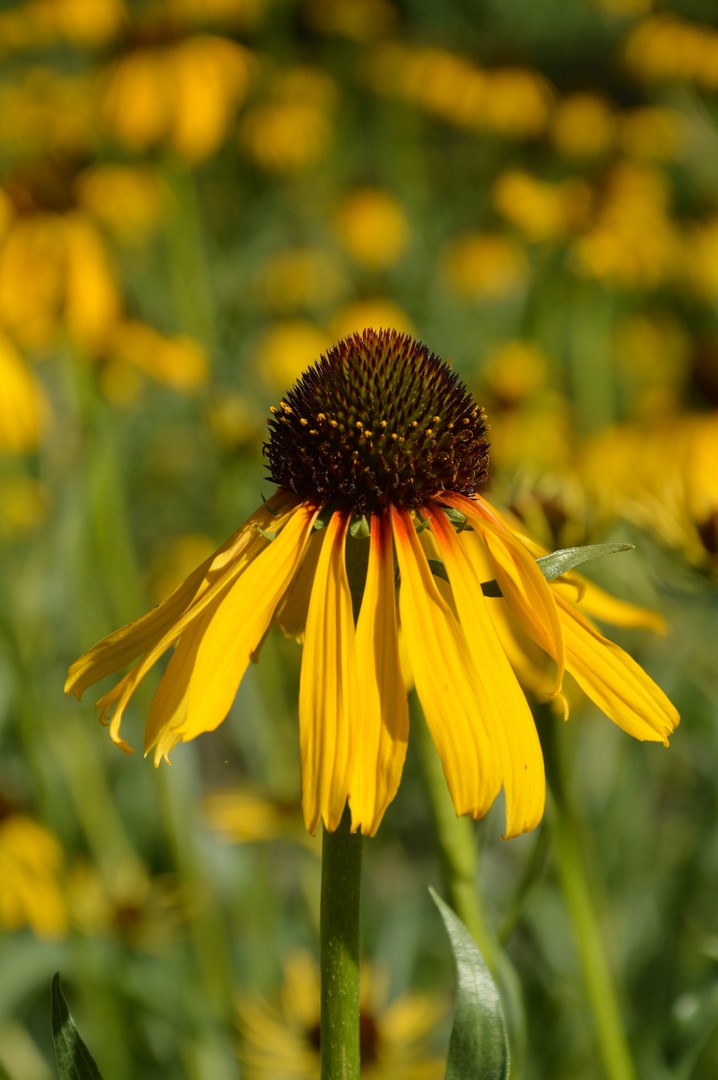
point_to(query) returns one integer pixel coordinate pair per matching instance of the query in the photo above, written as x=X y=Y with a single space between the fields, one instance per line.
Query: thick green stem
x=568 y=853
x=339 y=952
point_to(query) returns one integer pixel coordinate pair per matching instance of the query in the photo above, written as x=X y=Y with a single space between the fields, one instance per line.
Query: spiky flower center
x=378 y=421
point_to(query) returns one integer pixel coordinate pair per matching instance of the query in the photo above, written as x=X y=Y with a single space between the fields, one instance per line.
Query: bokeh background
x=197 y=197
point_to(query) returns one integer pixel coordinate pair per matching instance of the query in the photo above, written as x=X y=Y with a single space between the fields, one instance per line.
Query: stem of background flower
x=187 y=259
x=339 y=952
x=457 y=845
x=568 y=847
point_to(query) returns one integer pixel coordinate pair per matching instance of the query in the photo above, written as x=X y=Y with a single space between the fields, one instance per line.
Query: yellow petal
x=498 y=695
x=328 y=686
x=599 y=604
x=121 y=647
x=383 y=714
x=614 y=681
x=201 y=680
x=291 y=614
x=445 y=677
x=523 y=585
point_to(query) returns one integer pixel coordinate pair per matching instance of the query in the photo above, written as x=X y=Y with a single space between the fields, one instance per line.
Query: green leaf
x=479 y=1045
x=74 y=1060
x=560 y=562
x=565 y=559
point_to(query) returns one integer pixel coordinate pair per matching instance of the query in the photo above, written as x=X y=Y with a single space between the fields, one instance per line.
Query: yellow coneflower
x=379 y=454
x=31 y=870
x=396 y=1037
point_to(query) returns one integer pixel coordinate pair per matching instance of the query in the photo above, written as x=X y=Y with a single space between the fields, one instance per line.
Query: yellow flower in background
x=631 y=241
x=297 y=279
x=286 y=349
x=292 y=129
x=675 y=496
x=542 y=210
x=246 y=816
x=23 y=405
x=666 y=46
x=127 y=199
x=651 y=355
x=23 y=505
x=379 y=453
x=512 y=102
x=38 y=23
x=373 y=227
x=226 y=13
x=135 y=349
x=583 y=125
x=184 y=93
x=484 y=266
x=360 y=20
x=373 y=312
x=31 y=871
x=45 y=112
x=142 y=911
x=56 y=277
x=396 y=1037
x=653 y=133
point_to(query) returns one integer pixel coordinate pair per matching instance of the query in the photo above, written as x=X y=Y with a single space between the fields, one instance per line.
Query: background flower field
x=196 y=200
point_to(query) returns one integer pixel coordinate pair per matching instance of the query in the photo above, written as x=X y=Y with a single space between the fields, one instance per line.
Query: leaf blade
x=74 y=1060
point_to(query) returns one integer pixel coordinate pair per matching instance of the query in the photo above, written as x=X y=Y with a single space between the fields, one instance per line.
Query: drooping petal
x=614 y=681
x=383 y=713
x=291 y=613
x=523 y=585
x=444 y=676
x=328 y=710
x=201 y=680
x=498 y=695
x=121 y=647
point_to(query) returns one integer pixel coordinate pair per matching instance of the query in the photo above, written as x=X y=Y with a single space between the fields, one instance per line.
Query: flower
x=396 y=1036
x=32 y=868
x=378 y=441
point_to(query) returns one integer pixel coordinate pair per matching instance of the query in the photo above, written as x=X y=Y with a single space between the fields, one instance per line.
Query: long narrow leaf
x=74 y=1060
x=479 y=1045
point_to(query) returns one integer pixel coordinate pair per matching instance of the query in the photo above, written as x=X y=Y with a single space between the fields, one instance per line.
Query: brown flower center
x=379 y=421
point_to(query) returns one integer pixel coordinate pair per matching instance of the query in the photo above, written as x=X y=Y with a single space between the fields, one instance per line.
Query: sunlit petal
x=199 y=685
x=614 y=681
x=383 y=714
x=445 y=677
x=498 y=695
x=328 y=710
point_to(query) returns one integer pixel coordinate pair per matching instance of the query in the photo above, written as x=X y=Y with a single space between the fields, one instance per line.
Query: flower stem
x=339 y=952
x=572 y=871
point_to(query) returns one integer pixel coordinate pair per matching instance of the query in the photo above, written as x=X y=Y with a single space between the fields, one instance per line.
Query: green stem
x=339 y=952
x=568 y=849
x=457 y=846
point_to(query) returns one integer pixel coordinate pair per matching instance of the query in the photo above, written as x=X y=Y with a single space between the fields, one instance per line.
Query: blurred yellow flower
x=23 y=405
x=127 y=199
x=297 y=279
x=540 y=209
x=177 y=557
x=35 y=24
x=651 y=352
x=291 y=130
x=286 y=349
x=361 y=20
x=699 y=258
x=45 y=112
x=175 y=361
x=245 y=816
x=225 y=13
x=484 y=266
x=23 y=505
x=631 y=241
x=583 y=125
x=674 y=495
x=513 y=102
x=282 y=1040
x=31 y=871
x=652 y=133
x=373 y=227
x=141 y=911
x=666 y=46
x=376 y=312
x=56 y=278
x=355 y=440
x=184 y=93
x=233 y=420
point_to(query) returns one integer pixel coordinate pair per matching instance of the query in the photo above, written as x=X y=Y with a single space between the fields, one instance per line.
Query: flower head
x=379 y=454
